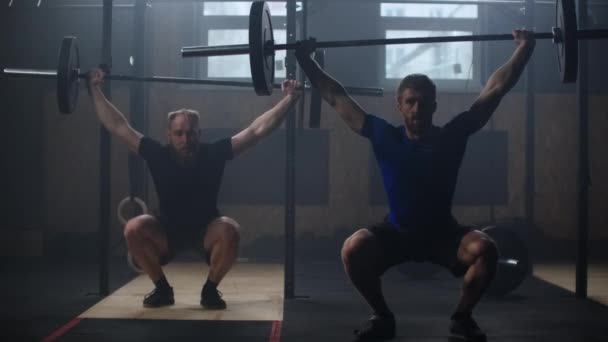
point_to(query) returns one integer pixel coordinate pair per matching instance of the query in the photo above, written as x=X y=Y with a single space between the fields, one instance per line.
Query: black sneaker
x=159 y=297
x=463 y=326
x=211 y=299
x=377 y=328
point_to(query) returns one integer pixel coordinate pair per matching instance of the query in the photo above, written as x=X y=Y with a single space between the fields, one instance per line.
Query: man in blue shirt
x=419 y=164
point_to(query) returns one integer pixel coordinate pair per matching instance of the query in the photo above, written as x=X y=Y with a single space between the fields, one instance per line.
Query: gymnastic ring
x=139 y=201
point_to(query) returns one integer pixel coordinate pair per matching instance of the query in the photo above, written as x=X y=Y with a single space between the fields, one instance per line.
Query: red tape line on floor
x=275 y=333
x=61 y=331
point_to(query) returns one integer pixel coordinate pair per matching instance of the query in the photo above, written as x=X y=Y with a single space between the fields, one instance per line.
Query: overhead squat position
x=187 y=175
x=419 y=163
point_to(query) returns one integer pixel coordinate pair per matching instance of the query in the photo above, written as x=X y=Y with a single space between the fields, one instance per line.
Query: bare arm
x=112 y=119
x=331 y=90
x=264 y=124
x=501 y=81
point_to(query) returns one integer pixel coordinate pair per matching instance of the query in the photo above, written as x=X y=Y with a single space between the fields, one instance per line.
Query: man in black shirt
x=187 y=176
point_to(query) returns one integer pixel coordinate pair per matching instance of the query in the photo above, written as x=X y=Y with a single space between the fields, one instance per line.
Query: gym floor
x=45 y=300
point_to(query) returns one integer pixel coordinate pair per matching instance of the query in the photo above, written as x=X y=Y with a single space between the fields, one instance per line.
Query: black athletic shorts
x=439 y=246
x=186 y=237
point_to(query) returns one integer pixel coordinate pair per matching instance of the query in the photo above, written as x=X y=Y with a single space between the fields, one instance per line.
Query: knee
x=488 y=252
x=134 y=228
x=356 y=246
x=231 y=234
x=230 y=231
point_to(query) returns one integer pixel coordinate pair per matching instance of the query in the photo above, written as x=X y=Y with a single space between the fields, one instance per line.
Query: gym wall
x=51 y=161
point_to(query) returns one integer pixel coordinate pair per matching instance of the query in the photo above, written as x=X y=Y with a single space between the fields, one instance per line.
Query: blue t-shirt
x=419 y=176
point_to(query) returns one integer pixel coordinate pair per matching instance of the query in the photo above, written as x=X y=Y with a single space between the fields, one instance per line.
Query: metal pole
x=242 y=49
x=583 y=161
x=302 y=75
x=52 y=74
x=290 y=157
x=145 y=48
x=414 y=40
x=530 y=181
x=484 y=63
x=137 y=97
x=104 y=158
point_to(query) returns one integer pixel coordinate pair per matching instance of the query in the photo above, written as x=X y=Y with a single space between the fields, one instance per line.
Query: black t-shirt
x=187 y=195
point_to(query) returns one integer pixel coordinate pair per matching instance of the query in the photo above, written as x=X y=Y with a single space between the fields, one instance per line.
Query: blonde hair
x=189 y=113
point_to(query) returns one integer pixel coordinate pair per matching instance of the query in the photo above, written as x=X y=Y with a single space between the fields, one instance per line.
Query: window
x=237 y=66
x=241 y=8
x=428 y=10
x=448 y=64
x=437 y=60
x=227 y=23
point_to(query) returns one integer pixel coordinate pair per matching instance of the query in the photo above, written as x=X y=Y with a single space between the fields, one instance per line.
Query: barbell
x=261 y=47
x=68 y=77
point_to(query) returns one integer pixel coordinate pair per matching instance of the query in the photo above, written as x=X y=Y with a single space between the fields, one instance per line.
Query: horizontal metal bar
x=70 y=6
x=463 y=2
x=150 y=2
x=182 y=80
x=29 y=73
x=51 y=74
x=480 y=2
x=220 y=50
x=485 y=2
x=365 y=91
x=414 y=40
x=223 y=50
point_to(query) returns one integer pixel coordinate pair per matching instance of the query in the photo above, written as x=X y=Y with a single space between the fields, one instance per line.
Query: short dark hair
x=419 y=82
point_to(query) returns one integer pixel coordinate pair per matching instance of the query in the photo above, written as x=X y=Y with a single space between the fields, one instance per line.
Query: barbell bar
x=52 y=74
x=261 y=47
x=241 y=49
x=68 y=76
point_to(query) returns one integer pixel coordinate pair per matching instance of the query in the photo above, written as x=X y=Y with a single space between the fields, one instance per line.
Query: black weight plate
x=567 y=48
x=68 y=68
x=261 y=52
